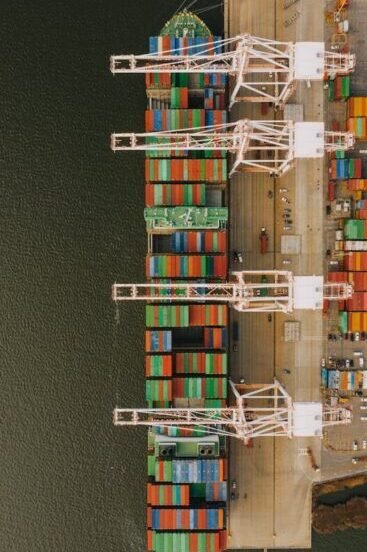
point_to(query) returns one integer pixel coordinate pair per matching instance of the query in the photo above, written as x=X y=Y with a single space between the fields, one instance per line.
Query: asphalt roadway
x=273 y=504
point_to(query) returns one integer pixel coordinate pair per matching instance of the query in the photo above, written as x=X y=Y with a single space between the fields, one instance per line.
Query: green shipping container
x=158 y=390
x=166 y=316
x=163 y=470
x=346 y=86
x=180 y=542
x=331 y=91
x=151 y=465
x=343 y=321
x=354 y=229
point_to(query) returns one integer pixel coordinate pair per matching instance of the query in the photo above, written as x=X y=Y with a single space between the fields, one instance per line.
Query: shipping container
x=358 y=125
x=201 y=363
x=359 y=280
x=168 y=495
x=190 y=170
x=355 y=261
x=357 y=106
x=157 y=366
x=161 y=316
x=177 y=194
x=158 y=390
x=200 y=388
x=208 y=315
x=198 y=470
x=179 y=46
x=358 y=301
x=199 y=242
x=340 y=169
x=355 y=229
x=215 y=338
x=183 y=266
x=185 y=541
x=216 y=492
x=158 y=341
x=186 y=519
x=357 y=184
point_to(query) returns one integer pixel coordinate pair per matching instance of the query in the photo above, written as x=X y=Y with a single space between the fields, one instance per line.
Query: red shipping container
x=359 y=280
x=331 y=191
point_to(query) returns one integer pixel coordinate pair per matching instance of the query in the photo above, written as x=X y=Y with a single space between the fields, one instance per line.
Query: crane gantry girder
x=257 y=146
x=282 y=292
x=260 y=410
x=266 y=70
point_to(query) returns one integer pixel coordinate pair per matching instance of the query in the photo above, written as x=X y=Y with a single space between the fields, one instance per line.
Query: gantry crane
x=257 y=146
x=267 y=70
x=283 y=292
x=261 y=410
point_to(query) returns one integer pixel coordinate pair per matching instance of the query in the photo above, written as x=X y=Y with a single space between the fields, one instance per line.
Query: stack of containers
x=353 y=312
x=186 y=498
x=339 y=88
x=344 y=380
x=357 y=117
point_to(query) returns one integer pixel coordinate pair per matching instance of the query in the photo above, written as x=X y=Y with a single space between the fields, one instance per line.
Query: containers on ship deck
x=358 y=301
x=157 y=341
x=215 y=338
x=176 y=46
x=355 y=229
x=200 y=388
x=184 y=266
x=168 y=495
x=357 y=106
x=177 y=194
x=175 y=119
x=216 y=492
x=157 y=366
x=179 y=97
x=358 y=125
x=356 y=184
x=185 y=519
x=355 y=261
x=200 y=363
x=158 y=390
x=161 y=316
x=199 y=242
x=186 y=542
x=192 y=170
x=339 y=88
x=197 y=470
x=359 y=280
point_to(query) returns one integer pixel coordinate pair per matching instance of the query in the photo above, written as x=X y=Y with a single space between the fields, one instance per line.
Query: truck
x=264 y=241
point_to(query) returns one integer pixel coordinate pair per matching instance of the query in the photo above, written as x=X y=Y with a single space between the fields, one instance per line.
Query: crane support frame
x=265 y=70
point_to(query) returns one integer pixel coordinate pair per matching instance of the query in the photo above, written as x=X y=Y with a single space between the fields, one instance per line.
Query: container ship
x=186 y=218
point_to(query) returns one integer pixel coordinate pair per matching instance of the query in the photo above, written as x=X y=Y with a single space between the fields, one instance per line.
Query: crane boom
x=261 y=410
x=257 y=146
x=266 y=70
x=282 y=292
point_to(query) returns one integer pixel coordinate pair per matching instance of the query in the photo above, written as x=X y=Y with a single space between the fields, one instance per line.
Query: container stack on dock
x=186 y=344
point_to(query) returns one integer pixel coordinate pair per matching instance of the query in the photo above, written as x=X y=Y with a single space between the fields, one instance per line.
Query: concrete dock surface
x=273 y=504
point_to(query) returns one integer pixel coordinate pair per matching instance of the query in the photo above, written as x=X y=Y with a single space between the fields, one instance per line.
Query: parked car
x=363 y=407
x=363 y=399
x=363 y=418
x=355 y=445
x=364 y=444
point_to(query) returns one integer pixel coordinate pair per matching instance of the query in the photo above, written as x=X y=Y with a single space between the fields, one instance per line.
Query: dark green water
x=71 y=224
